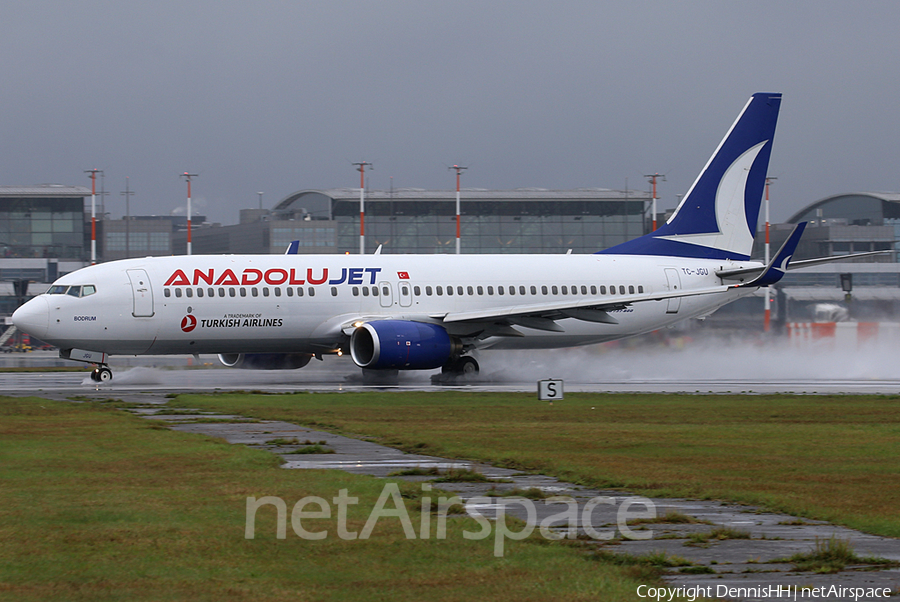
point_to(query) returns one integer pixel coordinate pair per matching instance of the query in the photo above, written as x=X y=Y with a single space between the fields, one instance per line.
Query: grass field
x=835 y=458
x=96 y=504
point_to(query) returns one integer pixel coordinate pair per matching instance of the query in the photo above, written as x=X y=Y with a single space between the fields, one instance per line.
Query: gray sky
x=282 y=96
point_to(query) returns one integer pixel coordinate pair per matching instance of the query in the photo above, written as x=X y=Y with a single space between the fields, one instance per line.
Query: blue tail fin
x=717 y=217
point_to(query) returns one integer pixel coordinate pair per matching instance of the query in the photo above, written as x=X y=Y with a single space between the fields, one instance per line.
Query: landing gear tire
x=102 y=374
x=462 y=366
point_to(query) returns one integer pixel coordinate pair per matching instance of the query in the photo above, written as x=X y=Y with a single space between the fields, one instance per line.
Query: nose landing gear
x=101 y=374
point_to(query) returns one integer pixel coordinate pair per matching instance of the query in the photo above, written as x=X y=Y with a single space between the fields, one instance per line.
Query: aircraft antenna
x=459 y=171
x=652 y=178
x=188 y=176
x=361 y=168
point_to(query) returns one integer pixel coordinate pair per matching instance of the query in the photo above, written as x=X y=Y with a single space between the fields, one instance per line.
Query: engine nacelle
x=265 y=361
x=401 y=345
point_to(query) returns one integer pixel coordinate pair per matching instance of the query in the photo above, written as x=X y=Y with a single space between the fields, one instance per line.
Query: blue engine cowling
x=265 y=361
x=401 y=345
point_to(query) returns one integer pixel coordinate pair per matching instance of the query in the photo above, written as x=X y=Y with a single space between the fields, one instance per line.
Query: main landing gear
x=456 y=371
x=101 y=374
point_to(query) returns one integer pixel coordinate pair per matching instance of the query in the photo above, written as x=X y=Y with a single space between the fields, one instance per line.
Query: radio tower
x=459 y=171
x=93 y=173
x=652 y=178
x=188 y=177
x=361 y=168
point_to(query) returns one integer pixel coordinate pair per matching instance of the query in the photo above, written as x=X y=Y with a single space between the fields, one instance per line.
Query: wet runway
x=703 y=367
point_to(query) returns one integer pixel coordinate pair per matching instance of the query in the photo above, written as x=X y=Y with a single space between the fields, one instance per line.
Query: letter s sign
x=550 y=390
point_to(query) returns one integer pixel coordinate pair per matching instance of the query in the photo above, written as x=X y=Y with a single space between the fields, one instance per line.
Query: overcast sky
x=283 y=96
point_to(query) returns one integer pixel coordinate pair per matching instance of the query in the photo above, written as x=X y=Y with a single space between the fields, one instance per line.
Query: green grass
x=97 y=504
x=834 y=458
x=831 y=556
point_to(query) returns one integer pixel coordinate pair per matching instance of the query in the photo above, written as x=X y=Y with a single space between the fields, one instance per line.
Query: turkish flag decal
x=403 y=275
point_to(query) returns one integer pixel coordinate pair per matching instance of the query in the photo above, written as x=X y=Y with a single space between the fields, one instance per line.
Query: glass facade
x=490 y=226
x=42 y=227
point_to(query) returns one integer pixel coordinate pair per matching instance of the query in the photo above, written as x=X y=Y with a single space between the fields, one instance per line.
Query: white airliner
x=420 y=312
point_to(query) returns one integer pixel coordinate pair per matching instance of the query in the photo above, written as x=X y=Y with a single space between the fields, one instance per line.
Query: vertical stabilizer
x=717 y=217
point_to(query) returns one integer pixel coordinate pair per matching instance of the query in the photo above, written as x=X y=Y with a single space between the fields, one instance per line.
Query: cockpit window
x=72 y=291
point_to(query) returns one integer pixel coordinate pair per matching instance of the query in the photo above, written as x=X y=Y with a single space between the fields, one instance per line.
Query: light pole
x=188 y=177
x=93 y=173
x=459 y=171
x=767 y=315
x=653 y=178
x=127 y=194
x=361 y=168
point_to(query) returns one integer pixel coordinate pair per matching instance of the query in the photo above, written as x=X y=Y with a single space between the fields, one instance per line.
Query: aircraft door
x=405 y=293
x=385 y=294
x=674 y=282
x=142 y=293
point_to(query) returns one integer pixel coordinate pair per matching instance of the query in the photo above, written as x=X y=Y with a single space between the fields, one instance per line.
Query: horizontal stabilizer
x=779 y=264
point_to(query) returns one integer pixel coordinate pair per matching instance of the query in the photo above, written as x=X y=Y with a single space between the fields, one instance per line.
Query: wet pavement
x=716 y=565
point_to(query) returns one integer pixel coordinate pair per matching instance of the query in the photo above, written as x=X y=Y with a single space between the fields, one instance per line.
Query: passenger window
x=299 y=291
x=500 y=290
x=428 y=290
x=490 y=290
x=189 y=292
x=290 y=292
x=602 y=289
x=449 y=290
x=630 y=289
x=265 y=291
x=439 y=290
x=480 y=290
x=199 y=292
x=612 y=289
x=333 y=291
x=243 y=292
x=355 y=290
x=544 y=290
x=178 y=292
x=640 y=289
x=554 y=290
x=254 y=291
x=417 y=291
x=512 y=290
x=583 y=289
x=74 y=291
x=565 y=290
x=277 y=292
x=167 y=292
x=312 y=292
x=211 y=291
x=593 y=289
x=621 y=289
x=533 y=290
x=385 y=291
x=470 y=290
x=459 y=290
x=231 y=292
x=365 y=291
x=521 y=290
x=221 y=292
x=374 y=291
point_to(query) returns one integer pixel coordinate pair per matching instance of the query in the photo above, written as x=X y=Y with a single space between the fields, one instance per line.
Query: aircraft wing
x=541 y=316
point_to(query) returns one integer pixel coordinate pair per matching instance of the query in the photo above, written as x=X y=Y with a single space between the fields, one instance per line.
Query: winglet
x=293 y=248
x=779 y=264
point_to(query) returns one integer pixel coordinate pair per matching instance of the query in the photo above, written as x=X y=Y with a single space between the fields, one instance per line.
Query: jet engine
x=402 y=345
x=265 y=361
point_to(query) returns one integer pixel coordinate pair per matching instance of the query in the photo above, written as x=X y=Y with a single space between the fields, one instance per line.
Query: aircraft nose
x=33 y=317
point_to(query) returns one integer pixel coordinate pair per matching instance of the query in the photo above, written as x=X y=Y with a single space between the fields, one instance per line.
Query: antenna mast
x=459 y=171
